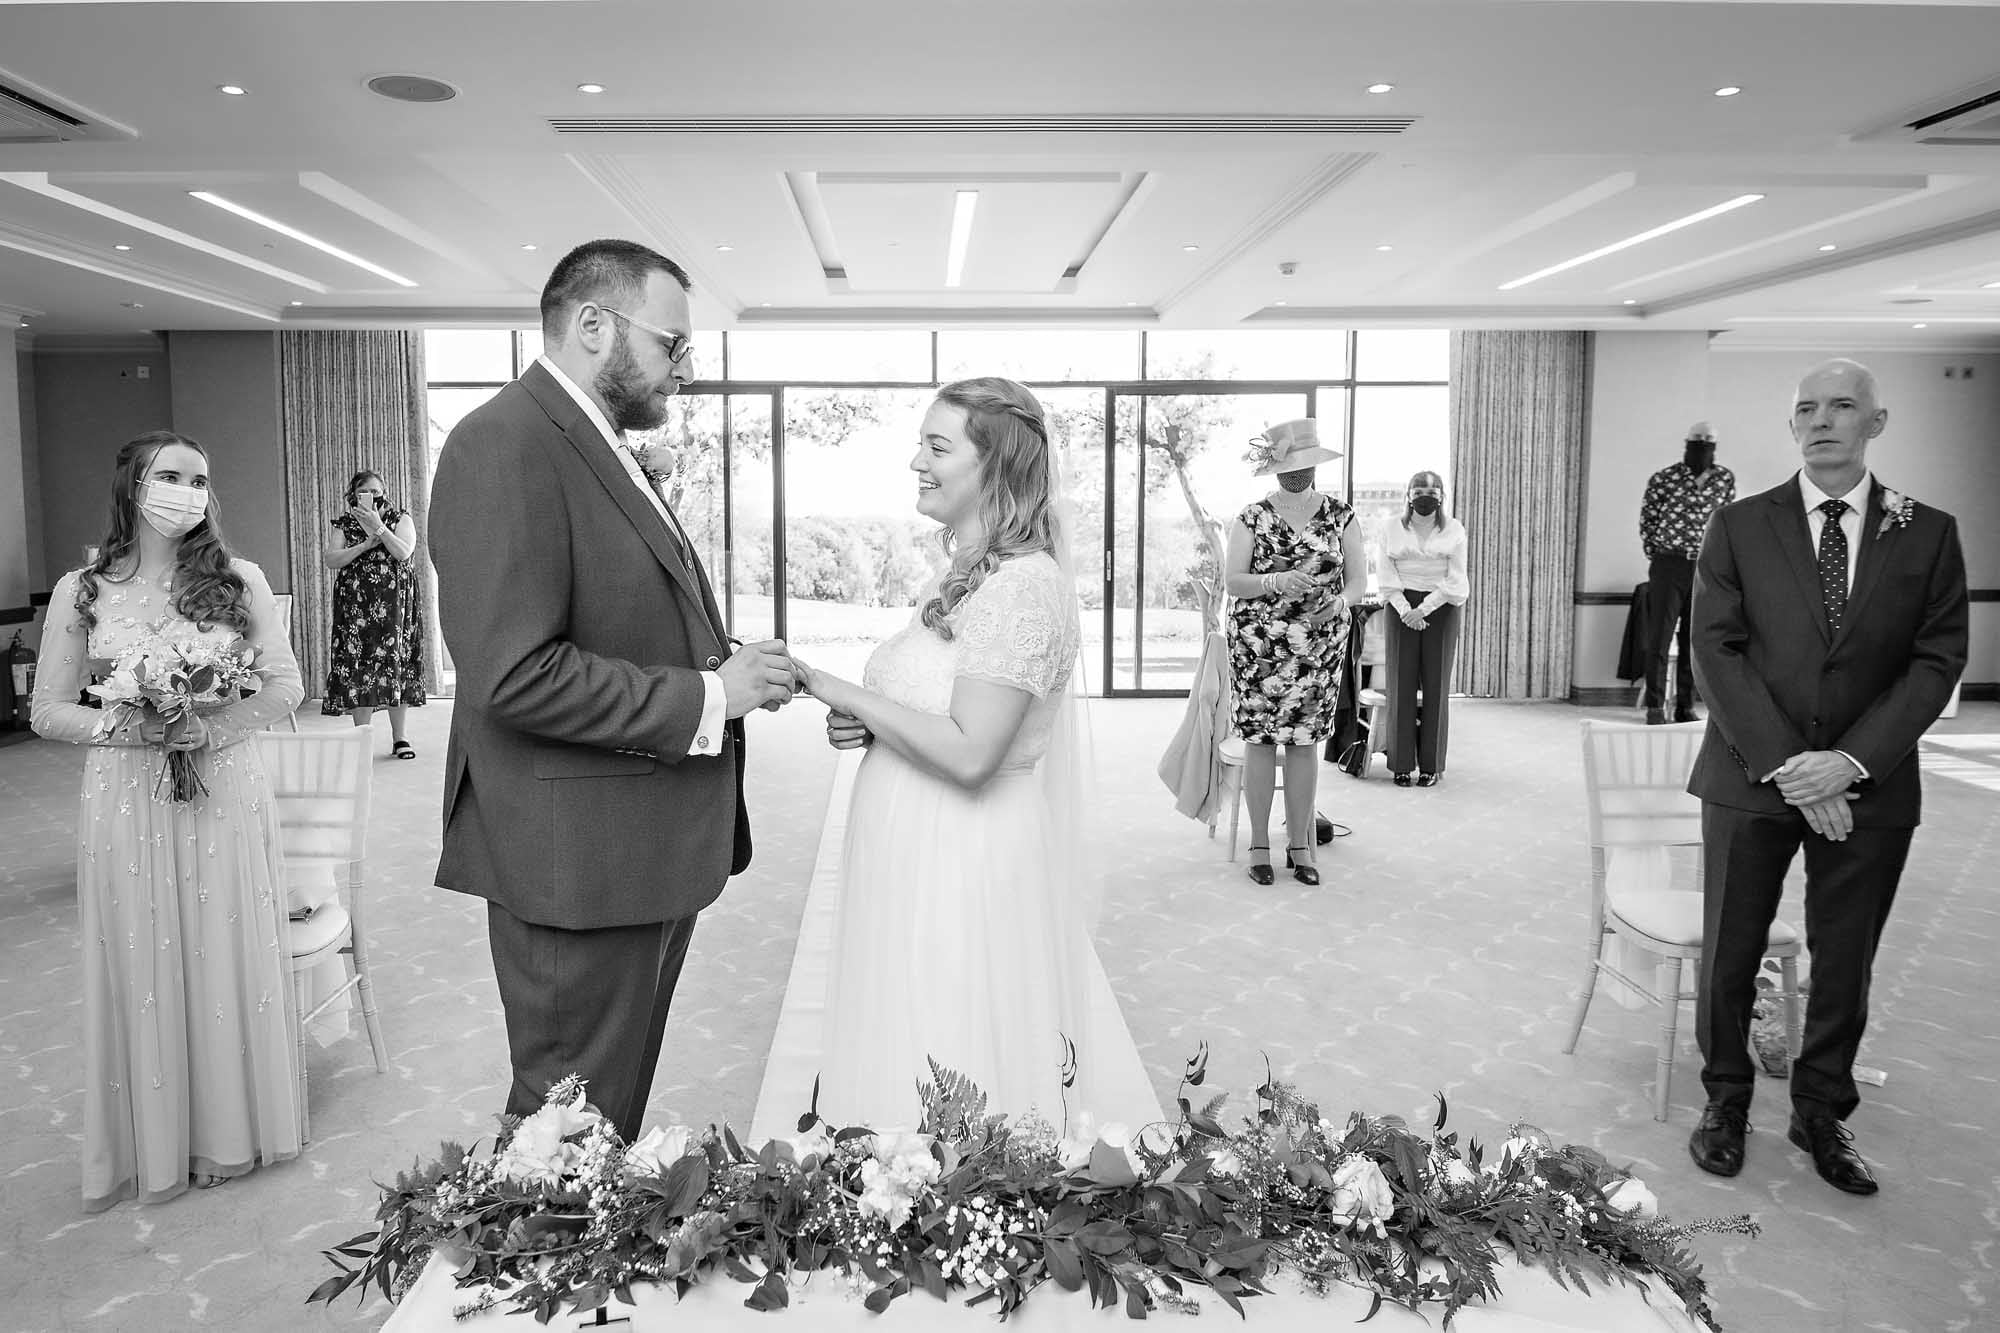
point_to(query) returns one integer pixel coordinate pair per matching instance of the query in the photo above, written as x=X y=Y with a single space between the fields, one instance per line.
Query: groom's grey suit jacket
x=579 y=635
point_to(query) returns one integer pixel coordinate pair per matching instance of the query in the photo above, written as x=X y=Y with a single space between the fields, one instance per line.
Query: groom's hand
x=757 y=675
x=844 y=731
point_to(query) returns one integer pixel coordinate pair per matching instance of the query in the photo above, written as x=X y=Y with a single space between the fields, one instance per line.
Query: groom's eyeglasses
x=677 y=346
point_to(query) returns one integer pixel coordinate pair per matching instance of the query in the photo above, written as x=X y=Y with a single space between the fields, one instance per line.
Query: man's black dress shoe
x=1832 y=1149
x=1403 y=779
x=1656 y=717
x=1429 y=779
x=1685 y=715
x=1262 y=873
x=1717 y=1142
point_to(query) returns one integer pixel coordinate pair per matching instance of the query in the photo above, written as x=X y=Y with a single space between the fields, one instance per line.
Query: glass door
x=1176 y=464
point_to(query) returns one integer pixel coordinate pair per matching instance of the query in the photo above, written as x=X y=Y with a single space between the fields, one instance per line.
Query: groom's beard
x=629 y=401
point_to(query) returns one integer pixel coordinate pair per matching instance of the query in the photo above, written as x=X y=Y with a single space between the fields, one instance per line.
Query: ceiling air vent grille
x=36 y=117
x=980 y=124
x=1968 y=118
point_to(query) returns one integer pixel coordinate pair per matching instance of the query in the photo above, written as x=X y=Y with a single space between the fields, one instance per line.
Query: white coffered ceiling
x=1146 y=163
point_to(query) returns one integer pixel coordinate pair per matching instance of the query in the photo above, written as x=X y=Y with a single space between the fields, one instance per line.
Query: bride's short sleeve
x=1019 y=628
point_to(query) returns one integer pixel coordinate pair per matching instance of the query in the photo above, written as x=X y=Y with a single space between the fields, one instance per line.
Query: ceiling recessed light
x=121 y=247
x=527 y=245
x=1989 y=286
x=1727 y=90
x=1384 y=249
x=232 y=90
x=724 y=249
x=132 y=305
x=1828 y=249
x=228 y=206
x=1278 y=302
x=590 y=87
x=963 y=205
x=1190 y=249
x=1651 y=233
x=1131 y=303
x=1381 y=87
x=1919 y=326
x=1631 y=300
x=765 y=304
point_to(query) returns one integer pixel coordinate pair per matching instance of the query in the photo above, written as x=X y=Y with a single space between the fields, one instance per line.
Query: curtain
x=1518 y=403
x=351 y=399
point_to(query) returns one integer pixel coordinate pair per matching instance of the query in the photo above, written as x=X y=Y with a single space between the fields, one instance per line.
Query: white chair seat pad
x=1673 y=916
x=326 y=926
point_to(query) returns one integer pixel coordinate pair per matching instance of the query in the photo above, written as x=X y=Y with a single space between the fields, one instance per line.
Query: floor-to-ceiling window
x=789 y=463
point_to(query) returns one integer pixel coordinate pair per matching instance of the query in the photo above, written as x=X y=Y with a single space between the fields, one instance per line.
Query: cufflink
x=713 y=662
x=701 y=742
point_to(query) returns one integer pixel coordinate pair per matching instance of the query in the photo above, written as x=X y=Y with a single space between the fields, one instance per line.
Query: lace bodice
x=1019 y=628
x=126 y=611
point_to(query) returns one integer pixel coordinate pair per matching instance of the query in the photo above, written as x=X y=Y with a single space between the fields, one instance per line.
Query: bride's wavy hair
x=1010 y=434
x=206 y=590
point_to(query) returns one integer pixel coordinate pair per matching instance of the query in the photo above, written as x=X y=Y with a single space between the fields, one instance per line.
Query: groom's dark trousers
x=575 y=802
x=1779 y=681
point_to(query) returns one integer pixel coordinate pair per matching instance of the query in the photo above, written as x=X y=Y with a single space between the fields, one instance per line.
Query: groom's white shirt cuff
x=708 y=731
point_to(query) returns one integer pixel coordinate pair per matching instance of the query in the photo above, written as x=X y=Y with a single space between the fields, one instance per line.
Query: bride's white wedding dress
x=958 y=932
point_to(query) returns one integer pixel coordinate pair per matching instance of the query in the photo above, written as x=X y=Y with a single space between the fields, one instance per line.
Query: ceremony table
x=1530 y=1302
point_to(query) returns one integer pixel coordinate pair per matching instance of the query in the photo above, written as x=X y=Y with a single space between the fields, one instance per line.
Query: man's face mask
x=1699 y=454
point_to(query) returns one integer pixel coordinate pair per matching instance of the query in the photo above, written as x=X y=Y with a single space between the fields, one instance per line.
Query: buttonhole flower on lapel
x=657 y=463
x=1897 y=511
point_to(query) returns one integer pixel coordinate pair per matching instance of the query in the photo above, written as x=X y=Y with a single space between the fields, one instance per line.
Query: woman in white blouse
x=1423 y=582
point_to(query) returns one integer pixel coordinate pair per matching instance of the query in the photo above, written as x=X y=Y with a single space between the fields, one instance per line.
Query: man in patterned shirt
x=1679 y=500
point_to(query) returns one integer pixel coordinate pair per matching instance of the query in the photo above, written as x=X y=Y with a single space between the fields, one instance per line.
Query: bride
x=962 y=926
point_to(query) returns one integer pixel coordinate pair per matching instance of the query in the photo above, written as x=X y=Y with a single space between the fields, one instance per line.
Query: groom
x=1829 y=625
x=593 y=789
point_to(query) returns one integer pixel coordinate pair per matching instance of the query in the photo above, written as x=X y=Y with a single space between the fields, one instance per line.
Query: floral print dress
x=190 y=1061
x=1284 y=667
x=378 y=628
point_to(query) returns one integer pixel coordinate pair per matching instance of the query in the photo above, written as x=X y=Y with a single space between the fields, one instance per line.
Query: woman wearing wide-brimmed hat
x=1287 y=573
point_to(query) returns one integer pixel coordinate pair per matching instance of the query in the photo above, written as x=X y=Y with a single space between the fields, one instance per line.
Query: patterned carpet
x=1440 y=954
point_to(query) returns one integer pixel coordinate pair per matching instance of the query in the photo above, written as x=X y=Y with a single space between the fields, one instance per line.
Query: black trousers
x=1670 y=602
x=586 y=1002
x=1419 y=659
x=1849 y=888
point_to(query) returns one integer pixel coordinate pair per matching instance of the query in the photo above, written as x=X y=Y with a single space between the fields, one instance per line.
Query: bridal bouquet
x=560 y=1214
x=173 y=680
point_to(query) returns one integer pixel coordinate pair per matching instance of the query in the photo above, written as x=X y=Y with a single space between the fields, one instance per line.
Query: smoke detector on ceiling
x=411 y=88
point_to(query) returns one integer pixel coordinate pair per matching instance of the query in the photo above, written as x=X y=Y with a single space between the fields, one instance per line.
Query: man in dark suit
x=594 y=781
x=1829 y=628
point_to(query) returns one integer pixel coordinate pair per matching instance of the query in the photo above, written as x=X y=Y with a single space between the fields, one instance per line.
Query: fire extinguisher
x=20 y=683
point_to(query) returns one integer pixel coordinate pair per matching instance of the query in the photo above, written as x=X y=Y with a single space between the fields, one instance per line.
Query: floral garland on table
x=562 y=1214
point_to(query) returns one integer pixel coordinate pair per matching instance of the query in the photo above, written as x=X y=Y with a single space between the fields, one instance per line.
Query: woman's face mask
x=173 y=510
x=1426 y=503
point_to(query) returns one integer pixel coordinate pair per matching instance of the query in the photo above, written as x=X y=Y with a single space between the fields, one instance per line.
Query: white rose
x=1074 y=1150
x=1630 y=1196
x=1362 y=1197
x=659 y=1149
x=1457 y=1174
x=907 y=1156
x=537 y=1153
x=1226 y=1164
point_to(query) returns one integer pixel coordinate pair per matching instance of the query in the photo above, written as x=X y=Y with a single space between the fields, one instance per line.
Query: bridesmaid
x=190 y=1066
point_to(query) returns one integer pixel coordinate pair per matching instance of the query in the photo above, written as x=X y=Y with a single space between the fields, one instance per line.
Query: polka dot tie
x=1833 y=563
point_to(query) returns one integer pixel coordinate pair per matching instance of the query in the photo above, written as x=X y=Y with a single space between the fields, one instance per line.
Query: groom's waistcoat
x=577 y=633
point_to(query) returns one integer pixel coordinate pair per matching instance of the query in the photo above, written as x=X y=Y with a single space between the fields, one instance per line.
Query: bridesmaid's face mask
x=173 y=510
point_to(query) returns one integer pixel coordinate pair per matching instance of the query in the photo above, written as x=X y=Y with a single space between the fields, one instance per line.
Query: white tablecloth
x=1530 y=1302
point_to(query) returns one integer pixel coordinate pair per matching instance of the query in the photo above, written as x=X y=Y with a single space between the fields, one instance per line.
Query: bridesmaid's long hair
x=206 y=589
x=1010 y=434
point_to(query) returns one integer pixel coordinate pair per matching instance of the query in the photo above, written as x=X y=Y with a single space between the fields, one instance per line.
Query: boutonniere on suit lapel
x=1897 y=511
